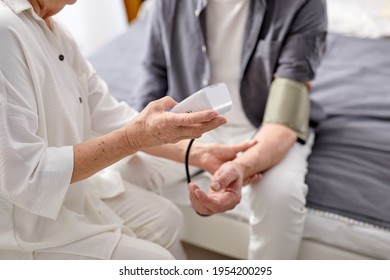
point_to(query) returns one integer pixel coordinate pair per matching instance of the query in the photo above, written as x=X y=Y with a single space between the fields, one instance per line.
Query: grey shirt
x=282 y=38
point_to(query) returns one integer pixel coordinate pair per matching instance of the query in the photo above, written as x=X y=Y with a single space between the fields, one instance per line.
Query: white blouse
x=51 y=99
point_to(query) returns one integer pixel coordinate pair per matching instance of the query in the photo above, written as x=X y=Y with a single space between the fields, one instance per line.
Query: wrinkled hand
x=155 y=125
x=225 y=190
x=218 y=200
x=229 y=174
x=212 y=156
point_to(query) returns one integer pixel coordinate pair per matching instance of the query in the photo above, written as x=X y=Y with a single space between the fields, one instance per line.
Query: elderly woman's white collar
x=19 y=6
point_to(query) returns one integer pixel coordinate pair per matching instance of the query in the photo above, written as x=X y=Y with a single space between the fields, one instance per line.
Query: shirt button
x=205 y=83
x=204 y=49
x=61 y=57
x=197 y=13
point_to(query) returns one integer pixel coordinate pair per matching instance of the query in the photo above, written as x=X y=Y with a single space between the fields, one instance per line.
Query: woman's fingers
x=188 y=119
x=242 y=147
x=197 y=130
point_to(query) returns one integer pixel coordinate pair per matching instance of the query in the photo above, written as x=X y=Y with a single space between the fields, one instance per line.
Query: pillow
x=359 y=18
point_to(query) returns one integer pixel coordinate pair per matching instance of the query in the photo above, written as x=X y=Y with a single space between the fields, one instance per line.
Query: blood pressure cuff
x=288 y=104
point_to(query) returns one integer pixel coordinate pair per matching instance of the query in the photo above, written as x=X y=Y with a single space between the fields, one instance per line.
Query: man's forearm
x=273 y=143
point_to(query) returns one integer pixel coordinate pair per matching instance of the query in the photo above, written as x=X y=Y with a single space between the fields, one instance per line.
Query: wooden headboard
x=132 y=7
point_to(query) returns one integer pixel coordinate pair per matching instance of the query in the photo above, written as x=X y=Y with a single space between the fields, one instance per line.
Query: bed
x=349 y=170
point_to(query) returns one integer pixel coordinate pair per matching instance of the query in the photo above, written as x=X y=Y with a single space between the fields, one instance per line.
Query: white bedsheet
x=359 y=18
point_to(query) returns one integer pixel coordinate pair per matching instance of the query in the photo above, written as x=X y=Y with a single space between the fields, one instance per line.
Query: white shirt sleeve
x=32 y=176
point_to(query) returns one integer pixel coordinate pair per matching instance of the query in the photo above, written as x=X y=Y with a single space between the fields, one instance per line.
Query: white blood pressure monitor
x=215 y=97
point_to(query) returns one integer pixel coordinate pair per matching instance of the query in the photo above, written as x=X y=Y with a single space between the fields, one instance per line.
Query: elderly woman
x=59 y=128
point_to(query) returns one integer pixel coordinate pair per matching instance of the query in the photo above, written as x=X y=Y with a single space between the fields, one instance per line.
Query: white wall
x=94 y=22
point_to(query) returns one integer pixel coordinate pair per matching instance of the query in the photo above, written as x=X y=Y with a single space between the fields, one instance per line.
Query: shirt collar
x=18 y=6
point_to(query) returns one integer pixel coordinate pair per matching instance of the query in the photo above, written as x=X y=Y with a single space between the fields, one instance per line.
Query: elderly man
x=267 y=53
x=58 y=128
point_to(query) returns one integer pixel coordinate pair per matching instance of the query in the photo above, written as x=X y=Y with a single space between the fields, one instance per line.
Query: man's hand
x=224 y=193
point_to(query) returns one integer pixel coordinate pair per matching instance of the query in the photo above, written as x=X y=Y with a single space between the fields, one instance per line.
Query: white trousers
x=277 y=205
x=154 y=222
x=277 y=202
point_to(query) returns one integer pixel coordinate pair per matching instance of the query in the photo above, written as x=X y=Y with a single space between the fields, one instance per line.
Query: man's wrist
x=244 y=167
